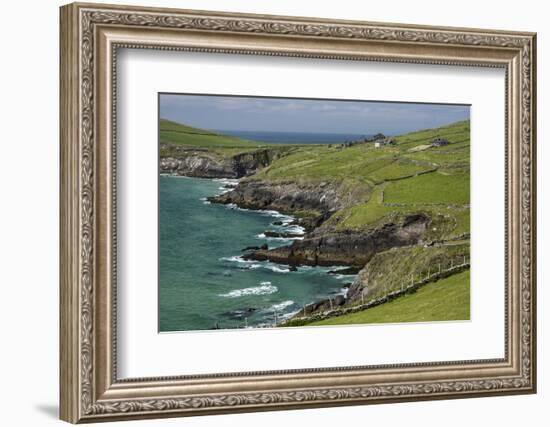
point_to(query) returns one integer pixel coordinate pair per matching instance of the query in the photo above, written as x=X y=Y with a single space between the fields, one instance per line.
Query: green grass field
x=446 y=299
x=430 y=188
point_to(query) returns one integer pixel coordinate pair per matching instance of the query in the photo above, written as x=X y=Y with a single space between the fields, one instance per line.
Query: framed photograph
x=266 y=212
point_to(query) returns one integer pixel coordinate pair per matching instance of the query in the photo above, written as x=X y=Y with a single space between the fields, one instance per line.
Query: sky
x=306 y=115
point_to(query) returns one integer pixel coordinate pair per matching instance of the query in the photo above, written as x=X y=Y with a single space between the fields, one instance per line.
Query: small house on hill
x=379 y=139
x=440 y=142
x=374 y=138
x=385 y=141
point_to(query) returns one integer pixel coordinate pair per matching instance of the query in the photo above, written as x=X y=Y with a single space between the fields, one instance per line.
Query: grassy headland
x=178 y=134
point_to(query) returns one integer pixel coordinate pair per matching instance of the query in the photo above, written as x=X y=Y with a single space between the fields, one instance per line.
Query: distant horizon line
x=310 y=132
x=293 y=131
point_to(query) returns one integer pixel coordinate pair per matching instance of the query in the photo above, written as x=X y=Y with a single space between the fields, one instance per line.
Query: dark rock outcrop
x=322 y=305
x=240 y=314
x=287 y=197
x=347 y=270
x=283 y=235
x=347 y=248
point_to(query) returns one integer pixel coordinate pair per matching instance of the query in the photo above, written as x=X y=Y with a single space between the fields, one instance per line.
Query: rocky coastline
x=312 y=205
x=345 y=248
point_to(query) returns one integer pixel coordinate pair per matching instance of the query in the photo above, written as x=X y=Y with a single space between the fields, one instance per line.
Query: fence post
x=451 y=263
x=245 y=322
x=439 y=268
x=464 y=262
x=330 y=301
x=362 y=298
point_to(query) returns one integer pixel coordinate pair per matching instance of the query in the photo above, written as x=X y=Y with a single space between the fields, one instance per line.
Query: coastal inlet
x=206 y=282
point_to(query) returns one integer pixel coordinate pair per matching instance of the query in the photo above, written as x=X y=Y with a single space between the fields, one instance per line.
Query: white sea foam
x=268 y=212
x=226 y=180
x=279 y=270
x=265 y=288
x=237 y=258
x=247 y=266
x=281 y=239
x=224 y=190
x=297 y=229
x=276 y=214
x=328 y=268
x=281 y=306
x=233 y=206
x=174 y=175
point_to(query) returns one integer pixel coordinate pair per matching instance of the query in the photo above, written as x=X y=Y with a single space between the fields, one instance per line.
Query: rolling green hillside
x=412 y=155
x=174 y=135
x=409 y=177
x=446 y=299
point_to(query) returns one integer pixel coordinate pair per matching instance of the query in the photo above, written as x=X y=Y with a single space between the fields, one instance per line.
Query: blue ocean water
x=295 y=137
x=203 y=281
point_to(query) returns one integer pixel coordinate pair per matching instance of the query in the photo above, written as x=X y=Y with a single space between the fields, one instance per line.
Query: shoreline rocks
x=348 y=270
x=285 y=197
x=282 y=235
x=346 y=248
x=313 y=204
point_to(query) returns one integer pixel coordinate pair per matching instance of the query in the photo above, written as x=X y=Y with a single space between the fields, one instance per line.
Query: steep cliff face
x=209 y=164
x=246 y=164
x=347 y=248
x=199 y=165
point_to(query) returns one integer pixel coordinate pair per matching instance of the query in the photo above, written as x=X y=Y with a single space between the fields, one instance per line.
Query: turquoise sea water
x=203 y=282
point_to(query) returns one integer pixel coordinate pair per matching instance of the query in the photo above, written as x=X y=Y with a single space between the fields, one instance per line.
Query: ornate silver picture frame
x=91 y=390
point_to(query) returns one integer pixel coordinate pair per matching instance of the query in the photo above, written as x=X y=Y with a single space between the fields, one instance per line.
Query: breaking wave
x=265 y=288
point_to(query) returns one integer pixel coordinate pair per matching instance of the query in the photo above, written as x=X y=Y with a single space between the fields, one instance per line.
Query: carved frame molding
x=90 y=36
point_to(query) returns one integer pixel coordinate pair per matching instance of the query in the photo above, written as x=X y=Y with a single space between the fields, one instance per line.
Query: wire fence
x=439 y=271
